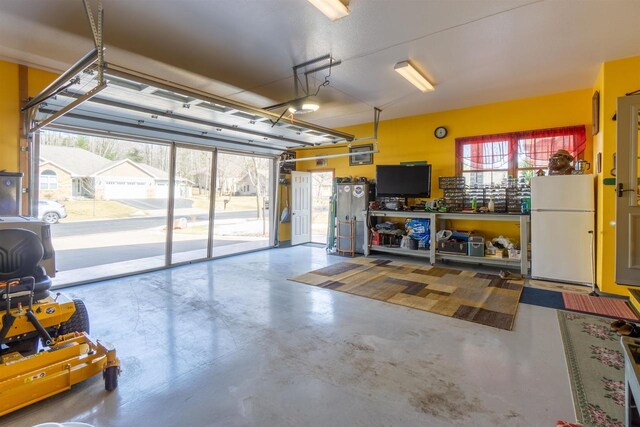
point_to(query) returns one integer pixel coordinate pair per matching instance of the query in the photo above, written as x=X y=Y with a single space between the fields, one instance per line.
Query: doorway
x=628 y=191
x=321 y=192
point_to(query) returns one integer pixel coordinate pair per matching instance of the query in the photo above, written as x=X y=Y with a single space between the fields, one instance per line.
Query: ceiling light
x=334 y=9
x=304 y=106
x=406 y=70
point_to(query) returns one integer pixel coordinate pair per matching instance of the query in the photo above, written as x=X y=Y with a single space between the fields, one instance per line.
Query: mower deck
x=71 y=359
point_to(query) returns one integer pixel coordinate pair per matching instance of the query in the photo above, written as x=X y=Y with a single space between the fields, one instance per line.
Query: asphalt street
x=79 y=258
x=80 y=228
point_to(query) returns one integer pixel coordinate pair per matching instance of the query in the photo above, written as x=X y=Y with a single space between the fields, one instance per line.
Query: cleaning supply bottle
x=492 y=205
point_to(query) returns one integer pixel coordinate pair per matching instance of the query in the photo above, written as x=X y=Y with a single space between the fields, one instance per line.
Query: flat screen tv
x=403 y=181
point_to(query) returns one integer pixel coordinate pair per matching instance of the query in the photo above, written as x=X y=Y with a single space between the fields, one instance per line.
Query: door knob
x=622 y=190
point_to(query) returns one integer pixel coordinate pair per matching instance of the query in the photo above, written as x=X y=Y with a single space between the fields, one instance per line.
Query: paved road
x=80 y=258
x=146 y=204
x=64 y=229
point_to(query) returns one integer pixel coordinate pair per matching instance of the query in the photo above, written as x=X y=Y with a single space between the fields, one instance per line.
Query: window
x=48 y=180
x=489 y=159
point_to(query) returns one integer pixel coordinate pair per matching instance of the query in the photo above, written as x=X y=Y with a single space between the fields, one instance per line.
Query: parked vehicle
x=51 y=211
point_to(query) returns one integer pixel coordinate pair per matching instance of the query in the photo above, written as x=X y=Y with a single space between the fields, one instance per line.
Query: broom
x=285 y=216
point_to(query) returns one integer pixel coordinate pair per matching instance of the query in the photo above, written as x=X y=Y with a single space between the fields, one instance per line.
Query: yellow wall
x=10 y=109
x=38 y=80
x=412 y=139
x=9 y=116
x=616 y=78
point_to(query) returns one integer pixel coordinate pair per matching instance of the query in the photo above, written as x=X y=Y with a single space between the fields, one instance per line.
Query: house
x=68 y=173
x=244 y=186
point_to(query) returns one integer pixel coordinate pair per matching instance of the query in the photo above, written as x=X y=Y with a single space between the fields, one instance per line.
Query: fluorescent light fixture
x=406 y=70
x=334 y=9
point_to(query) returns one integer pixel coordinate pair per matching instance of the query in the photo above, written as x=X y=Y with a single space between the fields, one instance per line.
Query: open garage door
x=197 y=175
x=131 y=105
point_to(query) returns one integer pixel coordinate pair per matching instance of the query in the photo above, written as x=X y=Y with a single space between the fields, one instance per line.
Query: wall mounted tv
x=403 y=180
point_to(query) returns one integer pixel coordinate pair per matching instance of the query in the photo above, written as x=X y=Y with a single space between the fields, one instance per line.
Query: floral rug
x=596 y=368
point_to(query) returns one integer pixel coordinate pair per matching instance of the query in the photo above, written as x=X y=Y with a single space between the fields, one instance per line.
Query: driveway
x=72 y=259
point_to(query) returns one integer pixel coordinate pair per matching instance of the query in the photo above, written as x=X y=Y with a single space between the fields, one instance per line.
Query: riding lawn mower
x=45 y=346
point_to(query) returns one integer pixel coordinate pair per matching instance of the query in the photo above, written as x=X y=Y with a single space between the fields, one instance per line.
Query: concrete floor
x=233 y=343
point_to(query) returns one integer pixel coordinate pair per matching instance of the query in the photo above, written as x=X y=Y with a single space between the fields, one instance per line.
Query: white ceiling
x=475 y=51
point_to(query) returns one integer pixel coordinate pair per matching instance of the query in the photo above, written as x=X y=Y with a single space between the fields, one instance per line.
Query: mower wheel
x=78 y=322
x=110 y=376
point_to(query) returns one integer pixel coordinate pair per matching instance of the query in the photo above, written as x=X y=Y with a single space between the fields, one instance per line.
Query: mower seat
x=20 y=252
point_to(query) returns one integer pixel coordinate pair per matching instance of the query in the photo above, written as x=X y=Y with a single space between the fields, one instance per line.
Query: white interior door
x=301 y=207
x=628 y=191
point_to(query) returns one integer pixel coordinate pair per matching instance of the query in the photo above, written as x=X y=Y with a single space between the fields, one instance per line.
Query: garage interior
x=323 y=212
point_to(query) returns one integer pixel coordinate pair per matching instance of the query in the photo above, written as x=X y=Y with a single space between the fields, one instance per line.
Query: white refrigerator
x=562 y=228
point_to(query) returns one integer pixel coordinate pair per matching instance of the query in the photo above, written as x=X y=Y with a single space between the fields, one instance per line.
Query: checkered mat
x=481 y=298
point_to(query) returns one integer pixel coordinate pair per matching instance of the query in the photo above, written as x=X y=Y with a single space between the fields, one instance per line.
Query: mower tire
x=78 y=322
x=110 y=376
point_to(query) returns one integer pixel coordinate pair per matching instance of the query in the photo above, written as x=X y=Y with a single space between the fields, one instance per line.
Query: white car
x=50 y=211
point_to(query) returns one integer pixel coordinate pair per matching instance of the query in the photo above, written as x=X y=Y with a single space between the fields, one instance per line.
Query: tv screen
x=403 y=180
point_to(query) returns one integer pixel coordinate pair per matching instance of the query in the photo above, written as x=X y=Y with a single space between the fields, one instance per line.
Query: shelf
x=523 y=219
x=480 y=259
x=403 y=214
x=482 y=216
x=401 y=251
x=515 y=217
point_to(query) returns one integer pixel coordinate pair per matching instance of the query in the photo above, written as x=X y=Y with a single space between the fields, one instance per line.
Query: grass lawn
x=236 y=203
x=78 y=210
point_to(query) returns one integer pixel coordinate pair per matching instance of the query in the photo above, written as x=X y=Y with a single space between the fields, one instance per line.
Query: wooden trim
x=24 y=154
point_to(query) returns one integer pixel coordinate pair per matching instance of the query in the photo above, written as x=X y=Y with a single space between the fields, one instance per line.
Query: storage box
x=514 y=254
x=476 y=249
x=10 y=193
x=453 y=247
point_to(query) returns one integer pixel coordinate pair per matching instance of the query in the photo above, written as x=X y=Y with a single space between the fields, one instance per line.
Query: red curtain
x=489 y=152
x=539 y=145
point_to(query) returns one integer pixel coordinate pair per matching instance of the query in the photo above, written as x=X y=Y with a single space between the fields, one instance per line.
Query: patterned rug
x=480 y=298
x=612 y=307
x=596 y=368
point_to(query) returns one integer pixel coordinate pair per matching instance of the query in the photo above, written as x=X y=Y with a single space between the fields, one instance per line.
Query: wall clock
x=440 y=132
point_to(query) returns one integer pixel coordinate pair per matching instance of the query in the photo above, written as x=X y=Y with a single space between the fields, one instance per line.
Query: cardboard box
x=514 y=254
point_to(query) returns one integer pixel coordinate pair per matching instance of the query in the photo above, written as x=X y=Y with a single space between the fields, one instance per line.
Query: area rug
x=480 y=298
x=596 y=368
x=542 y=298
x=611 y=307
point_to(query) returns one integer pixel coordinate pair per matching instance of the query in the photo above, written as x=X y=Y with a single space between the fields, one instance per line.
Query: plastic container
x=10 y=192
x=491 y=205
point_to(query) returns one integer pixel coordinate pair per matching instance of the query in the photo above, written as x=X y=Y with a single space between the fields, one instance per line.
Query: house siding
x=65 y=184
